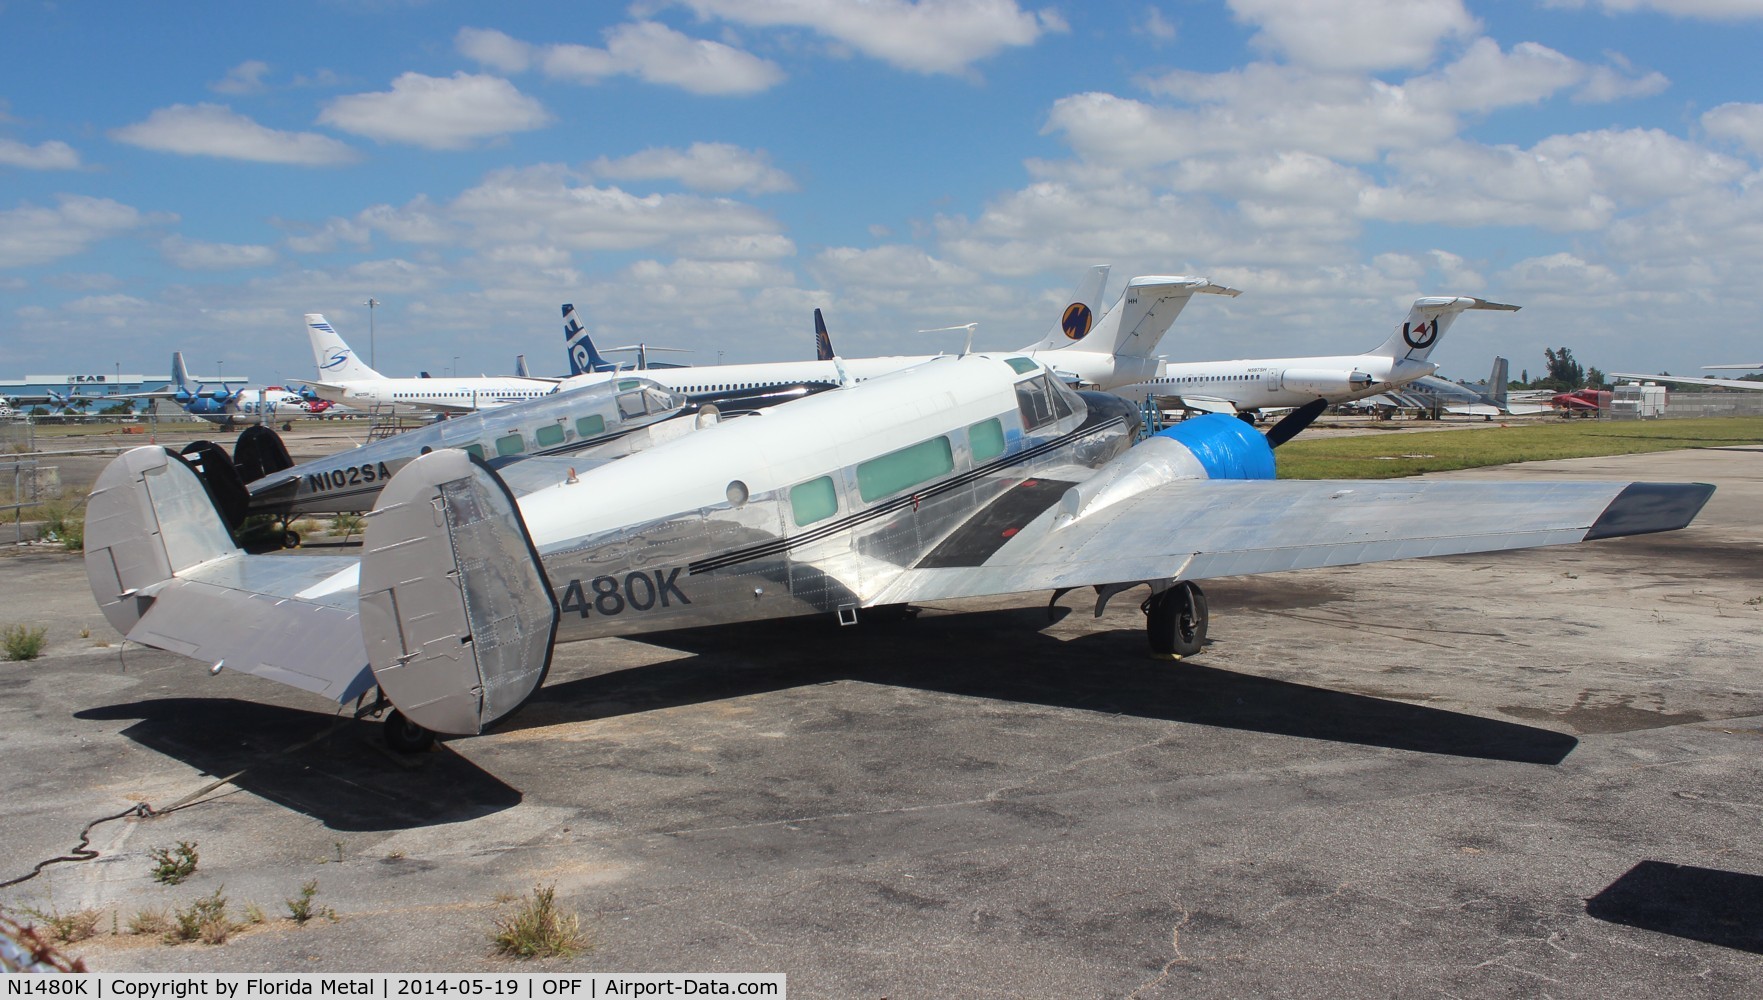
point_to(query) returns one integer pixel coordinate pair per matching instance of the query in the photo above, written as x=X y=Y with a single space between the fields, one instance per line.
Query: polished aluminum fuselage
x=729 y=546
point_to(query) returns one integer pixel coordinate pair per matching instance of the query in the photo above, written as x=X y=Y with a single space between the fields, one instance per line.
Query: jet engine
x=1324 y=381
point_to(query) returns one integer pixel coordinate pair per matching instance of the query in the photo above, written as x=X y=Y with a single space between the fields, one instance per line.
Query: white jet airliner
x=1246 y=386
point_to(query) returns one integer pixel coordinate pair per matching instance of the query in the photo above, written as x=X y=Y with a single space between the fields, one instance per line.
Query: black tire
x=1176 y=620
x=405 y=736
x=291 y=540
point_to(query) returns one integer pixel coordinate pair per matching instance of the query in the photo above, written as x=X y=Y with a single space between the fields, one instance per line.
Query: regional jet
x=1248 y=386
x=344 y=378
x=960 y=477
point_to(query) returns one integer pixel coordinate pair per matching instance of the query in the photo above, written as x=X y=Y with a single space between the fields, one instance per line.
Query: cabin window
x=592 y=425
x=1022 y=365
x=549 y=435
x=814 y=500
x=986 y=438
x=906 y=468
x=509 y=444
x=476 y=451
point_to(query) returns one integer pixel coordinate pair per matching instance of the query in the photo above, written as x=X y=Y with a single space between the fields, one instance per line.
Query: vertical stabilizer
x=1147 y=307
x=1079 y=317
x=823 y=341
x=1497 y=380
x=180 y=374
x=1426 y=323
x=335 y=361
x=583 y=358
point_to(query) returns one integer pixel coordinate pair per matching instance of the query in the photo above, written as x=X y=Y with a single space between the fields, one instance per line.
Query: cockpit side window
x=1040 y=402
x=630 y=404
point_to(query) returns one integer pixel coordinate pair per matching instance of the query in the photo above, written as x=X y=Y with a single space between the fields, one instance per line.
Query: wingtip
x=1644 y=508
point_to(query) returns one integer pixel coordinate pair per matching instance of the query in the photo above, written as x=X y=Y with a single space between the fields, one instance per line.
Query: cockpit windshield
x=1043 y=400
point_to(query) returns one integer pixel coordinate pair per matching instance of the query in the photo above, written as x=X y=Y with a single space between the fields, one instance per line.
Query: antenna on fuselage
x=966 y=348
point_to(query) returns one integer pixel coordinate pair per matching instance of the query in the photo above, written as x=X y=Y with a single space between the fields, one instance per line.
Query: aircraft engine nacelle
x=1213 y=446
x=1324 y=381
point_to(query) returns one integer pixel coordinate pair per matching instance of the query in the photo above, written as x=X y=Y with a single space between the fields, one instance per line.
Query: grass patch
x=301 y=908
x=204 y=920
x=172 y=865
x=1395 y=454
x=150 y=922
x=347 y=524
x=68 y=927
x=536 y=928
x=23 y=642
x=64 y=523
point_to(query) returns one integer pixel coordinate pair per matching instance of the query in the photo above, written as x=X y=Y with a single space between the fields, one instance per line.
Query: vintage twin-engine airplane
x=1250 y=385
x=964 y=476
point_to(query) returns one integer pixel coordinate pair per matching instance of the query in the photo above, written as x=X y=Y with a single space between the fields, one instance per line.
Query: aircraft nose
x=1106 y=406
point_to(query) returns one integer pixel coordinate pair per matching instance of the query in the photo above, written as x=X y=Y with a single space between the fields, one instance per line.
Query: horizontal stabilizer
x=167 y=575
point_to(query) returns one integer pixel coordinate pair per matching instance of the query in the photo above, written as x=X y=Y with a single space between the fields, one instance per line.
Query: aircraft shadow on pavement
x=1702 y=904
x=307 y=762
x=1003 y=655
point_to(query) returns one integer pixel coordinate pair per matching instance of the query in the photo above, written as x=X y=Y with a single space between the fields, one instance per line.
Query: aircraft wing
x=1198 y=529
x=1204 y=404
x=1724 y=383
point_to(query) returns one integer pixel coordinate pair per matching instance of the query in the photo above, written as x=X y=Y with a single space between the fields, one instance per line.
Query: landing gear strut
x=1175 y=621
x=405 y=736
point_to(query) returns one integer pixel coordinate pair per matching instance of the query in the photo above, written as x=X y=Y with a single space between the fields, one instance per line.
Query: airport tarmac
x=1521 y=774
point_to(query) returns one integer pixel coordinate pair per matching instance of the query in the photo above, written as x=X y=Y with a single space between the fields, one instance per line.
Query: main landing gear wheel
x=405 y=736
x=1175 y=621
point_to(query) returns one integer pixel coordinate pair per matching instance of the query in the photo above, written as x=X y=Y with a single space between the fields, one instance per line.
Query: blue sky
x=703 y=174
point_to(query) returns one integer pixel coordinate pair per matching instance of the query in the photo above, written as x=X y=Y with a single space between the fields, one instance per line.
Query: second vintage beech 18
x=964 y=476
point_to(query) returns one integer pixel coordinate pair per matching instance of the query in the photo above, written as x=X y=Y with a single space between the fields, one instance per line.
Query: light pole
x=220 y=369
x=372 y=360
x=455 y=368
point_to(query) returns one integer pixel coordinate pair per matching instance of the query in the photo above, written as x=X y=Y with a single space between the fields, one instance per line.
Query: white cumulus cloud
x=644 y=49
x=1355 y=34
x=33 y=234
x=705 y=166
x=929 y=36
x=197 y=255
x=52 y=155
x=1741 y=123
x=437 y=112
x=215 y=130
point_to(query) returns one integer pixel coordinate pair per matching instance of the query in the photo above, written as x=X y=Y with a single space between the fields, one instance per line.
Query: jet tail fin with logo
x=1426 y=323
x=823 y=341
x=583 y=358
x=335 y=361
x=1078 y=317
x=1147 y=307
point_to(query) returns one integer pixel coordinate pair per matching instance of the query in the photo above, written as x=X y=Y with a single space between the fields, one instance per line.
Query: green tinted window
x=987 y=439
x=592 y=425
x=509 y=444
x=1022 y=365
x=549 y=435
x=814 y=500
x=880 y=477
x=476 y=451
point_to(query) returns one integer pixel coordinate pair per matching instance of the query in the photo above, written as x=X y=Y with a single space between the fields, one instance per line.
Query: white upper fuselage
x=439 y=394
x=1273 y=383
x=1089 y=367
